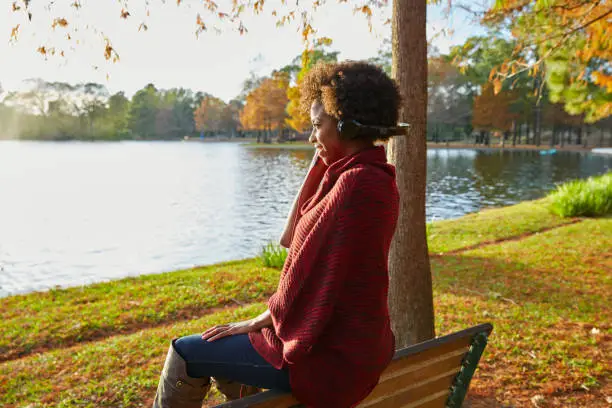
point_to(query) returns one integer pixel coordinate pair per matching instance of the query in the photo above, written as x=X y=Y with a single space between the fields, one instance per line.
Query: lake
x=76 y=213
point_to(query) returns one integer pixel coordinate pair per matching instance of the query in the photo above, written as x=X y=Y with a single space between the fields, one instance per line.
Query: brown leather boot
x=234 y=390
x=176 y=389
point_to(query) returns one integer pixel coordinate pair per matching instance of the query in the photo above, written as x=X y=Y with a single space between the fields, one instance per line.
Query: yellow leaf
x=59 y=22
x=492 y=73
x=15 y=32
x=497 y=86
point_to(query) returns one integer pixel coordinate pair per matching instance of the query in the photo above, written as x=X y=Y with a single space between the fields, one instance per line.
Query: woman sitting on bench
x=326 y=334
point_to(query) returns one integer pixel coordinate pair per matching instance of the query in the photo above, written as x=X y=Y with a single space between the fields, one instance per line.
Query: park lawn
x=62 y=317
x=544 y=293
x=119 y=371
x=36 y=322
x=547 y=296
x=492 y=225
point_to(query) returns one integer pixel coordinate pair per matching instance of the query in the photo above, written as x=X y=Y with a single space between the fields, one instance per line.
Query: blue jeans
x=231 y=358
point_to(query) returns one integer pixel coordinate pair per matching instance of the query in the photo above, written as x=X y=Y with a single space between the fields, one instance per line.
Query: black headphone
x=351 y=129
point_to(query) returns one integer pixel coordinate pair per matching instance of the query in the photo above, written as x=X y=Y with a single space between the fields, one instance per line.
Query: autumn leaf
x=497 y=85
x=367 y=11
x=306 y=32
x=492 y=73
x=16 y=7
x=324 y=41
x=201 y=25
x=15 y=32
x=242 y=29
x=42 y=50
x=124 y=14
x=62 y=22
x=109 y=51
x=258 y=6
x=211 y=5
x=143 y=27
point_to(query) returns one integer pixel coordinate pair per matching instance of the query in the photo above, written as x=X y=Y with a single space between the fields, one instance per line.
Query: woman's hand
x=222 y=330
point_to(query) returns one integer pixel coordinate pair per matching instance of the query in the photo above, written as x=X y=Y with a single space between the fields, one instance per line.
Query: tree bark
x=410 y=289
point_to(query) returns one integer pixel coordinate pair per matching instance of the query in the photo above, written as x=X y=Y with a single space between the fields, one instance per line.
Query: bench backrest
x=432 y=374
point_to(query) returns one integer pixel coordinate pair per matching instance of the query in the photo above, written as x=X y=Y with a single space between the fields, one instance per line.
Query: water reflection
x=75 y=213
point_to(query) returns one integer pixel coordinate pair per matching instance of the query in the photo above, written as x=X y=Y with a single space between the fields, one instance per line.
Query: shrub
x=273 y=255
x=583 y=198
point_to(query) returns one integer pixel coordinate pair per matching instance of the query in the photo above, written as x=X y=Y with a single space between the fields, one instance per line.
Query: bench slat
x=406 y=364
x=433 y=401
x=414 y=375
x=268 y=399
x=419 y=394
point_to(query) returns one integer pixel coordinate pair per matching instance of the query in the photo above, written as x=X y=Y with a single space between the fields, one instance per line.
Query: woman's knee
x=188 y=346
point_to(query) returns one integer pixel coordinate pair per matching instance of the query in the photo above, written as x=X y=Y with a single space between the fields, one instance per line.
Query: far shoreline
x=434 y=146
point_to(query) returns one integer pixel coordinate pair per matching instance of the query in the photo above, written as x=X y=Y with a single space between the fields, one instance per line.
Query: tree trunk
x=410 y=287
x=527 y=130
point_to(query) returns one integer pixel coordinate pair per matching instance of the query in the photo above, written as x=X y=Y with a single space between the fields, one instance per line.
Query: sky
x=169 y=54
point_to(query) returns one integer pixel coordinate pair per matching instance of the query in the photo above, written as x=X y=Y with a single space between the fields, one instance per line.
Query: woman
x=326 y=335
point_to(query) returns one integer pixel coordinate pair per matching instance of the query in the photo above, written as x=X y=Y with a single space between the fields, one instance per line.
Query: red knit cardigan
x=330 y=316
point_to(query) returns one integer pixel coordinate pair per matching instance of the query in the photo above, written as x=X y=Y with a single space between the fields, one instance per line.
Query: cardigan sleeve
x=305 y=301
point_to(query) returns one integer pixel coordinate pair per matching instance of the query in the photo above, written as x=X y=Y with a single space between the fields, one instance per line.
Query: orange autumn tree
x=208 y=116
x=570 y=41
x=265 y=108
x=494 y=112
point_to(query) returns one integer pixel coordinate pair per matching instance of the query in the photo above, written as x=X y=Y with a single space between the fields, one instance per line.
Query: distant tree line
x=61 y=111
x=464 y=104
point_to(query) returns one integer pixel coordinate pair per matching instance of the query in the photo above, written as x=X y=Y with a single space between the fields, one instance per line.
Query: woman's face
x=325 y=136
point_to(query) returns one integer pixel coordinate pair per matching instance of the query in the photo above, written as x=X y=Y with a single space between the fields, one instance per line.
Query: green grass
x=491 y=225
x=63 y=317
x=118 y=371
x=544 y=293
x=273 y=256
x=583 y=198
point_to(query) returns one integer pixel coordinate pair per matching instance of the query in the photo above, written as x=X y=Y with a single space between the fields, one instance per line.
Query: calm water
x=75 y=213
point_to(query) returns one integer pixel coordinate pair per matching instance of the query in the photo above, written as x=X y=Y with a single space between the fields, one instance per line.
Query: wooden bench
x=432 y=374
